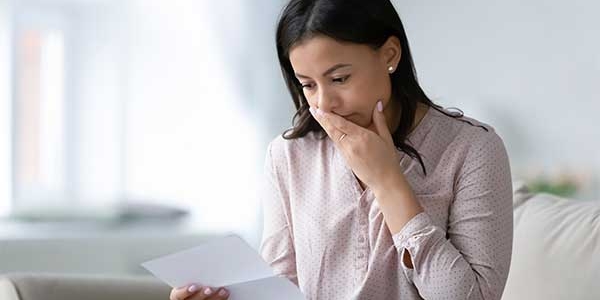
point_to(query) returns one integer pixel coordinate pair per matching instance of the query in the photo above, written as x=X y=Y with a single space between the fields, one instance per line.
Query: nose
x=327 y=100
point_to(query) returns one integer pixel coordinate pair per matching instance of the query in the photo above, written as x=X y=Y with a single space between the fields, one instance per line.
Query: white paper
x=229 y=262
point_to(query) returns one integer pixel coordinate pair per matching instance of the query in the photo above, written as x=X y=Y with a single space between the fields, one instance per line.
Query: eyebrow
x=329 y=71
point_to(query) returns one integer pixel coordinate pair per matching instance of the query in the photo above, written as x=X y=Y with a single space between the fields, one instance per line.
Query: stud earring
x=391 y=69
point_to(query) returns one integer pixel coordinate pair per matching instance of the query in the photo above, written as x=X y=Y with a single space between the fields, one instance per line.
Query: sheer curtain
x=5 y=110
x=204 y=97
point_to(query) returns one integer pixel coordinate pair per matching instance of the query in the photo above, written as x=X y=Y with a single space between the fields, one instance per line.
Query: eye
x=341 y=79
x=307 y=86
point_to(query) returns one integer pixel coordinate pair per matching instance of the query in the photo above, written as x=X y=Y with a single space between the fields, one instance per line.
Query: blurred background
x=132 y=129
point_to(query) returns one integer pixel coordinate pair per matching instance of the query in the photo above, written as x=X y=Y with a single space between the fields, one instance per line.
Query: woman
x=376 y=192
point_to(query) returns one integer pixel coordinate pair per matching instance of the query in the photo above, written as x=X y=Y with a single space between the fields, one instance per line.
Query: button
x=361 y=255
x=361 y=239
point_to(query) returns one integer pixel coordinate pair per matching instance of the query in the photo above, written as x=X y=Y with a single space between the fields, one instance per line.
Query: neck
x=394 y=113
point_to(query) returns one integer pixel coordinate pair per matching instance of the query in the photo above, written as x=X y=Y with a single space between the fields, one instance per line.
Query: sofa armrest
x=67 y=287
x=8 y=290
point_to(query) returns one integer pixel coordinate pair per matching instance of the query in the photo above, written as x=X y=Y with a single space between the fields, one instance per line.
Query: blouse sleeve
x=277 y=247
x=470 y=258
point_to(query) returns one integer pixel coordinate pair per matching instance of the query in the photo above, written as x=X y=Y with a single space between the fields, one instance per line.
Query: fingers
x=335 y=125
x=220 y=294
x=183 y=292
x=381 y=124
x=197 y=292
x=333 y=132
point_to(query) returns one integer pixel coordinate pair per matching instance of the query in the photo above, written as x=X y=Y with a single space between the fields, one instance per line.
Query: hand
x=197 y=292
x=370 y=154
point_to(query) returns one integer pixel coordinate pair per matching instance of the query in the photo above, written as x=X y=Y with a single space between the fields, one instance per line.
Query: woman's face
x=346 y=78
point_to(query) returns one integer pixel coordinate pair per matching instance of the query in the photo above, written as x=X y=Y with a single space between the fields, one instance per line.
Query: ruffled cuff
x=412 y=238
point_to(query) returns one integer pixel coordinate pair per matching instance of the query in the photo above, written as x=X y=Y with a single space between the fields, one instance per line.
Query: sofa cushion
x=556 y=249
x=67 y=287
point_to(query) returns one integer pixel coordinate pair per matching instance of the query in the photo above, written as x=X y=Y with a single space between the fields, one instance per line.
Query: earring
x=391 y=69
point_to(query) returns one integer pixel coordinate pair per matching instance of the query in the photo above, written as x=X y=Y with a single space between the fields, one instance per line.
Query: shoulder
x=480 y=136
x=468 y=133
x=283 y=146
x=284 y=152
x=478 y=144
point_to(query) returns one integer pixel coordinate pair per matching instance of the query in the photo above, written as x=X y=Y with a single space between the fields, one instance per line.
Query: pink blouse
x=328 y=236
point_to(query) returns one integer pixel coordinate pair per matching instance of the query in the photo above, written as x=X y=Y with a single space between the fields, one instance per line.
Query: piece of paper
x=229 y=262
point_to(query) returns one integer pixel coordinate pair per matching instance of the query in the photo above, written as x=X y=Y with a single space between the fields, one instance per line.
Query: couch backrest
x=556 y=249
x=42 y=286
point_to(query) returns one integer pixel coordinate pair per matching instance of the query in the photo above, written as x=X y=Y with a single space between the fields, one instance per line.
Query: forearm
x=397 y=202
x=398 y=205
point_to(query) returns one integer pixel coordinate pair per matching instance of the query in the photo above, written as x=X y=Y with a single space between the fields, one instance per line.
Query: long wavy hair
x=356 y=21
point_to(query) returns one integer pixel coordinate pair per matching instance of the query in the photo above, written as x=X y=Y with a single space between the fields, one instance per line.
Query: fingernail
x=320 y=112
x=207 y=291
x=192 y=288
x=379 y=106
x=222 y=293
x=312 y=110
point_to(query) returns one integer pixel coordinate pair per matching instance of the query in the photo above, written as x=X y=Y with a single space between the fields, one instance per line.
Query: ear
x=391 y=52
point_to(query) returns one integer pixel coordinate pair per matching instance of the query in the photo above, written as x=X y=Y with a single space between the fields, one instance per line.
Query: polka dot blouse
x=327 y=235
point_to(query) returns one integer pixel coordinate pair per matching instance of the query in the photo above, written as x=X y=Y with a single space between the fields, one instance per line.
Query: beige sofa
x=556 y=255
x=70 y=287
x=556 y=250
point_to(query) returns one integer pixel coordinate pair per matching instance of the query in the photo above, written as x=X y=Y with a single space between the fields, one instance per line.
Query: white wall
x=531 y=69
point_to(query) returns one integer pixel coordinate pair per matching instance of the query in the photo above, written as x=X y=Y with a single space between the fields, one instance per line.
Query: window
x=5 y=110
x=67 y=106
x=39 y=116
x=135 y=101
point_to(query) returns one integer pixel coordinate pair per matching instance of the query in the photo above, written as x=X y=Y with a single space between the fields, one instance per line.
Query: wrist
x=394 y=183
x=397 y=202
